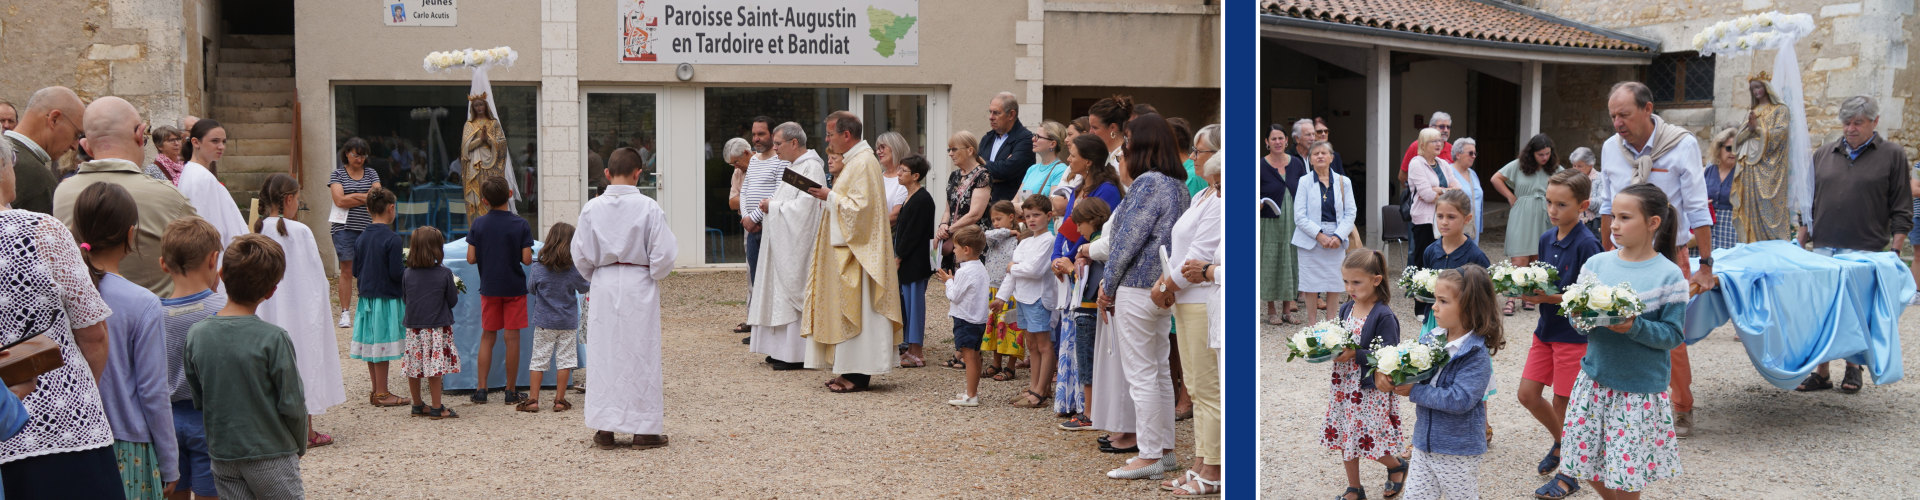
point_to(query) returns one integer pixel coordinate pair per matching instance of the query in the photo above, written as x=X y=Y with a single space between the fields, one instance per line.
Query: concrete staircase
x=253 y=96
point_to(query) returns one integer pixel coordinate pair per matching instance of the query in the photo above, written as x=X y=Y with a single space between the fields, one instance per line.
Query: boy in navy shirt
x=499 y=244
x=1557 y=348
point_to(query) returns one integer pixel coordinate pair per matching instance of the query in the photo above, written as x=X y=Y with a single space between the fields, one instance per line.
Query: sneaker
x=963 y=400
x=1077 y=423
x=346 y=319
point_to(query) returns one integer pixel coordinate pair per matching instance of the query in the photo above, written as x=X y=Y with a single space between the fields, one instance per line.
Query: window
x=414 y=132
x=1681 y=78
x=729 y=112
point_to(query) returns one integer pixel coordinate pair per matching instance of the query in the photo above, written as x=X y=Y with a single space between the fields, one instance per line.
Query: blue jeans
x=913 y=309
x=196 y=467
x=753 y=256
x=1083 y=324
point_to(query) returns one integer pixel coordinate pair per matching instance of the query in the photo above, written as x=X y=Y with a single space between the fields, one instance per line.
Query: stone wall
x=1857 y=48
x=125 y=48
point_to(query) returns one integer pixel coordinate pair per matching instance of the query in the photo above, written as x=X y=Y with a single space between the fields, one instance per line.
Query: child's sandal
x=1359 y=494
x=528 y=405
x=442 y=412
x=560 y=405
x=1393 y=488
x=419 y=410
x=1005 y=375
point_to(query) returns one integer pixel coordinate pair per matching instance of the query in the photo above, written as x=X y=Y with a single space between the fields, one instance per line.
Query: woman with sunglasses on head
x=1720 y=182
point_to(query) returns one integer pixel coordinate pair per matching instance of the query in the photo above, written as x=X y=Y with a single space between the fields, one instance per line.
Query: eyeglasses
x=1443 y=127
x=78 y=133
x=1320 y=131
x=1204 y=151
x=1728 y=149
x=1042 y=137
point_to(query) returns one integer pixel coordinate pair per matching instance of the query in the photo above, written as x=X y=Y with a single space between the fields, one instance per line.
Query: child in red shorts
x=500 y=244
x=1557 y=348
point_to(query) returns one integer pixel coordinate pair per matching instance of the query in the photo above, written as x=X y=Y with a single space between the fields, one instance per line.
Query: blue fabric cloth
x=196 y=466
x=1719 y=191
x=553 y=298
x=1381 y=327
x=1795 y=309
x=501 y=237
x=466 y=328
x=1637 y=361
x=379 y=266
x=1437 y=256
x=1065 y=247
x=1568 y=255
x=1451 y=406
x=1327 y=211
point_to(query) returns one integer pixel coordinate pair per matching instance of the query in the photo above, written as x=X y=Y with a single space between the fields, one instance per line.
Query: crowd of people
x=1049 y=251
x=195 y=356
x=1621 y=213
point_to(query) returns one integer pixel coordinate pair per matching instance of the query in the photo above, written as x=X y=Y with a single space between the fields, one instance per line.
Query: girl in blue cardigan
x=1449 y=436
x=1618 y=434
x=1364 y=422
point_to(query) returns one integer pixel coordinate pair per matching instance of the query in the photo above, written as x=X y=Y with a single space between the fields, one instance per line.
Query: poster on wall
x=798 y=32
x=420 y=12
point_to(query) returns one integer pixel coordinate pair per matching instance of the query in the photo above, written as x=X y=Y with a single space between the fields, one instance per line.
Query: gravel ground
x=739 y=430
x=1750 y=440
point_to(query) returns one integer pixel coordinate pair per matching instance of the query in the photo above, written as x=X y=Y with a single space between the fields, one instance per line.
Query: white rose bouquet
x=469 y=58
x=1588 y=304
x=1418 y=283
x=1521 y=281
x=1320 y=342
x=1410 y=360
x=1767 y=30
x=459 y=285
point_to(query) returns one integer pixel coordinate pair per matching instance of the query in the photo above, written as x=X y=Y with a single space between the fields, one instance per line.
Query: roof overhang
x=1291 y=28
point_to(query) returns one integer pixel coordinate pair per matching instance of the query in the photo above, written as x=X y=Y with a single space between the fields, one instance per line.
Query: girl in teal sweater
x=1619 y=425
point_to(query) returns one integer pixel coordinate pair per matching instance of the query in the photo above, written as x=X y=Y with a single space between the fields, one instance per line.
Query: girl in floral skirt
x=430 y=297
x=1363 y=422
x=1451 y=405
x=1618 y=432
x=1004 y=335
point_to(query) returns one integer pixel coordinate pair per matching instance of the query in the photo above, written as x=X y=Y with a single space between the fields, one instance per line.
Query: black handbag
x=1406 y=199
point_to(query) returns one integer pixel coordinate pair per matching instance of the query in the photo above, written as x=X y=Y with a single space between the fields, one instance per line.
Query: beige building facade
x=292 y=80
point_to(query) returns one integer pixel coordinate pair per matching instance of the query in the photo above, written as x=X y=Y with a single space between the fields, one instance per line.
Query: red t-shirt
x=1446 y=153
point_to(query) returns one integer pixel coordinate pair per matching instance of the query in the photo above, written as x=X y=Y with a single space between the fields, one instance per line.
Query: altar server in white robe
x=787 y=233
x=852 y=314
x=209 y=198
x=316 y=350
x=624 y=247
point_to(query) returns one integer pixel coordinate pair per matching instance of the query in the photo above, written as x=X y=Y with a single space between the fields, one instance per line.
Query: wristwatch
x=1706 y=260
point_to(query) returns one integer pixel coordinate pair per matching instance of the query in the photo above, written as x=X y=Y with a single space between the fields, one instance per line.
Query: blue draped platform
x=466 y=330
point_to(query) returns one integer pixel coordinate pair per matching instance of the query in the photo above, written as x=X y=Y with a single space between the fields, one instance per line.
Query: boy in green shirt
x=245 y=382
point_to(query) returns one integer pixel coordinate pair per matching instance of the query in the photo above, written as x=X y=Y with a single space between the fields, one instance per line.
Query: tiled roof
x=1469 y=19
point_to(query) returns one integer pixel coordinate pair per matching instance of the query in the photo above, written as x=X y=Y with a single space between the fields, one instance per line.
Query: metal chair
x=411 y=212
x=456 y=219
x=1391 y=228
x=716 y=245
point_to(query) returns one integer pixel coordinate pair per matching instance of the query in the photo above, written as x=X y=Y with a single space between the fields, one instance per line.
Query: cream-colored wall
x=1156 y=50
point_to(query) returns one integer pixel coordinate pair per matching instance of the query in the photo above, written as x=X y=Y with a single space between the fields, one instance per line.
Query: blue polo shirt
x=1568 y=255
x=501 y=237
x=1437 y=257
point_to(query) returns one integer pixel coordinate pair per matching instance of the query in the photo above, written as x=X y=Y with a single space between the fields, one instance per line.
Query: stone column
x=1030 y=70
x=561 y=171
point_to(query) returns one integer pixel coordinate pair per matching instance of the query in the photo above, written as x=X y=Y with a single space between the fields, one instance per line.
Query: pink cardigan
x=1421 y=179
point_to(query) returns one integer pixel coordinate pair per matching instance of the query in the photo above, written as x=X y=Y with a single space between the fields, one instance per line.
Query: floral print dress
x=1622 y=439
x=1361 y=423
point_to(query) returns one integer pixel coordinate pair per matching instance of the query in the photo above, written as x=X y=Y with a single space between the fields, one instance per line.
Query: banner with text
x=421 y=12
x=809 y=32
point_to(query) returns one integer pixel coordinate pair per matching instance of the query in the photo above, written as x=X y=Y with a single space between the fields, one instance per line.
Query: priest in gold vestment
x=852 y=315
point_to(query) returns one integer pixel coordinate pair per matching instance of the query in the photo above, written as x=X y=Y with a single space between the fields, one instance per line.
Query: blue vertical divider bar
x=1240 y=29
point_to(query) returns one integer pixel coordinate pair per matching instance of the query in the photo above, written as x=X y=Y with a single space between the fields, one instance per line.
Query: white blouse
x=54 y=292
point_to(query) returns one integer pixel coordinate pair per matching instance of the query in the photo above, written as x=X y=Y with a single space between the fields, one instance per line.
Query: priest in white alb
x=852 y=315
x=787 y=233
x=622 y=244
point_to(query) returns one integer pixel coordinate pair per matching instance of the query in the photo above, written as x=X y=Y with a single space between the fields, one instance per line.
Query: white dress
x=624 y=247
x=316 y=349
x=786 y=260
x=1111 y=406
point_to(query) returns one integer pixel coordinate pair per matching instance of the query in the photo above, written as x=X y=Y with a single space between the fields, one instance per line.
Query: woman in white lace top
x=49 y=291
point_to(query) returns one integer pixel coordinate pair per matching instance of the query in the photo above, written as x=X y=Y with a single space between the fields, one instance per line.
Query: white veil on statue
x=482 y=86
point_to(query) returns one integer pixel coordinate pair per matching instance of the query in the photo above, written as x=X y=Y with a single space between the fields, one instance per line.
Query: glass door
x=617 y=118
x=919 y=116
x=728 y=112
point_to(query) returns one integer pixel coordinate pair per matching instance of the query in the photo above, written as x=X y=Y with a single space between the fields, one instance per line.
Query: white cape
x=624 y=247
x=786 y=261
x=299 y=306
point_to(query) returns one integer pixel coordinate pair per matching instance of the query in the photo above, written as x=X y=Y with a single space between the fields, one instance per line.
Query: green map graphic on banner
x=888 y=27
